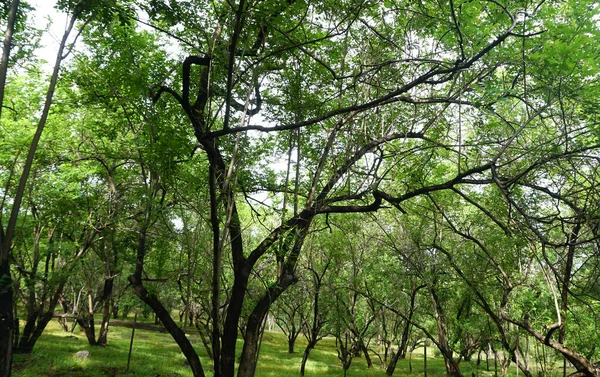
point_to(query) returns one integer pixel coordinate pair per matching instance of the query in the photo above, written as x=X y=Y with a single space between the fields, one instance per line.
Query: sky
x=54 y=22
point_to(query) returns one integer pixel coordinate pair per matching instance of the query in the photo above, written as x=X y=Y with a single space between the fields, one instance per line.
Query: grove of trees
x=389 y=173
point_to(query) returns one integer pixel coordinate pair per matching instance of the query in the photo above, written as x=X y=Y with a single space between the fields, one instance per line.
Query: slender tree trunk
x=452 y=368
x=230 y=330
x=401 y=354
x=158 y=308
x=204 y=332
x=6 y=48
x=365 y=352
x=37 y=320
x=309 y=347
x=106 y=294
x=393 y=362
x=316 y=326
x=178 y=335
x=7 y=320
x=87 y=322
x=250 y=350
x=216 y=273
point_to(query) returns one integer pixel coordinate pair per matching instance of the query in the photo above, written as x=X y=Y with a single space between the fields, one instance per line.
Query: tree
x=343 y=151
x=289 y=314
x=6 y=295
x=314 y=324
x=7 y=234
x=364 y=105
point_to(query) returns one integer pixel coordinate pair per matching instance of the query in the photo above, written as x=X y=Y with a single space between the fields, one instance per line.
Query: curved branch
x=443 y=73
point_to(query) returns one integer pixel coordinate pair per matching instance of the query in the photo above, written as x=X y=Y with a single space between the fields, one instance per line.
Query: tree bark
x=393 y=362
x=452 y=368
x=291 y=341
x=154 y=303
x=87 y=323
x=107 y=293
x=178 y=335
x=309 y=347
x=402 y=348
x=6 y=308
x=250 y=350
x=230 y=330
x=6 y=48
x=365 y=352
x=36 y=322
x=7 y=320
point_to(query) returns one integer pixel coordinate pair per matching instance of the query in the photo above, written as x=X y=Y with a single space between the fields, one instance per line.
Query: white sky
x=53 y=22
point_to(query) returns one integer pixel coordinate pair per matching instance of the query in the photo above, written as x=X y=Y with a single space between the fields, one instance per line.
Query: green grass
x=153 y=354
x=156 y=354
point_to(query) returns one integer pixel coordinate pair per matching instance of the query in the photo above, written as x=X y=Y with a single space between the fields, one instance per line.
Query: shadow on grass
x=154 y=354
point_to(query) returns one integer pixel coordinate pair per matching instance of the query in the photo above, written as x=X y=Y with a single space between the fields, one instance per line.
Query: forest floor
x=155 y=354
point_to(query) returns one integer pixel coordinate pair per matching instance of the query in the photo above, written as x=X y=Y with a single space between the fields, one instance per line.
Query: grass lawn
x=156 y=354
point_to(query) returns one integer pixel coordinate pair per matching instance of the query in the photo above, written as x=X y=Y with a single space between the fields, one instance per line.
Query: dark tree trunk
x=401 y=353
x=344 y=352
x=7 y=320
x=8 y=324
x=230 y=330
x=250 y=350
x=31 y=334
x=314 y=333
x=309 y=347
x=393 y=362
x=178 y=335
x=205 y=335
x=365 y=352
x=86 y=321
x=37 y=320
x=160 y=311
x=452 y=369
x=106 y=294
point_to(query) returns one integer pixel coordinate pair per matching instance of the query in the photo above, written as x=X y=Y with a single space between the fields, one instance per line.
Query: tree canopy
x=412 y=171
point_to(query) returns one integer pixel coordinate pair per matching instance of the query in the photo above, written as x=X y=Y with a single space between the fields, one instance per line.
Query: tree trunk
x=31 y=334
x=403 y=347
x=309 y=347
x=250 y=350
x=158 y=308
x=8 y=34
x=37 y=320
x=452 y=369
x=87 y=323
x=205 y=334
x=230 y=330
x=365 y=352
x=106 y=295
x=178 y=335
x=7 y=321
x=392 y=365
